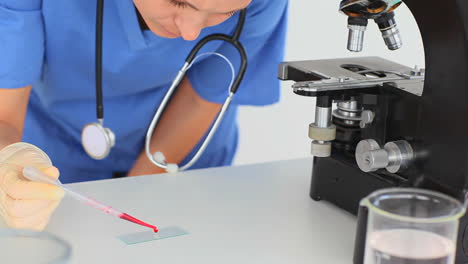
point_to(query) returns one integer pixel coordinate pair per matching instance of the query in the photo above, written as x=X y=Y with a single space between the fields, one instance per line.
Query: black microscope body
x=379 y=124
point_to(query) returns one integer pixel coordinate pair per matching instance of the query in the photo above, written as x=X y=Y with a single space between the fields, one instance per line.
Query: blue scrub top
x=51 y=45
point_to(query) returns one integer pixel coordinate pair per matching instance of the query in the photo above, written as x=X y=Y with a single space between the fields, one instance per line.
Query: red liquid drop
x=137 y=221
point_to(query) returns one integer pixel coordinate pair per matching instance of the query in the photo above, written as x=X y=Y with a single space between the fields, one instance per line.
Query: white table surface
x=258 y=213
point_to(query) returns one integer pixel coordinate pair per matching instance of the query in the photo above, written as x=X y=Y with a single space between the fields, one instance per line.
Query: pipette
x=34 y=174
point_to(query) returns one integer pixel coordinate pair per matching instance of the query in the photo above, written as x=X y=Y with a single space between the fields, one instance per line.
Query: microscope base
x=338 y=180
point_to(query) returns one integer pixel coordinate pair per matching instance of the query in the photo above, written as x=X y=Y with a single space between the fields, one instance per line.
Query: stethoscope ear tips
x=97 y=140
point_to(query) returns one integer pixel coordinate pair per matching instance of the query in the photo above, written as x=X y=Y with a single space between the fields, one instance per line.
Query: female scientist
x=47 y=88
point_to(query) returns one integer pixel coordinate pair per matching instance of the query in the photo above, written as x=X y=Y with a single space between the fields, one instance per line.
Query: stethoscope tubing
x=98 y=66
x=234 y=41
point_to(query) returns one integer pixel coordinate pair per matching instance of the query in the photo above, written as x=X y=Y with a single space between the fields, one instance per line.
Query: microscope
x=379 y=124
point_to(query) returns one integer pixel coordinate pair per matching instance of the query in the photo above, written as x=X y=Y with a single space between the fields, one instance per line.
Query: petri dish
x=26 y=247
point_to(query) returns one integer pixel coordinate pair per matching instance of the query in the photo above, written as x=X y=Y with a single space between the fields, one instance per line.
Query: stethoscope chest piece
x=97 y=140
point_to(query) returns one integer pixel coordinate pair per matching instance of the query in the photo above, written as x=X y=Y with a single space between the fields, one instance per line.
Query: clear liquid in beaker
x=409 y=246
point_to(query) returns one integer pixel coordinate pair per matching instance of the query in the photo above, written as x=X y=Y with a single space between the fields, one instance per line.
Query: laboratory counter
x=259 y=213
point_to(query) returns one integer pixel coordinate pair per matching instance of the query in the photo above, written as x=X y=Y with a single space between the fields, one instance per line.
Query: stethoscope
x=97 y=140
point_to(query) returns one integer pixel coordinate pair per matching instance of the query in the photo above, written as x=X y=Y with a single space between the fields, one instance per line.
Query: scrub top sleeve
x=21 y=42
x=263 y=38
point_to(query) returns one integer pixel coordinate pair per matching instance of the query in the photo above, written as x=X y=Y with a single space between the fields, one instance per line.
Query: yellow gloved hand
x=25 y=204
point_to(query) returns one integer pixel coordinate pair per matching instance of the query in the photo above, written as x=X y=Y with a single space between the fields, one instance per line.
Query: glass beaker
x=411 y=226
x=27 y=247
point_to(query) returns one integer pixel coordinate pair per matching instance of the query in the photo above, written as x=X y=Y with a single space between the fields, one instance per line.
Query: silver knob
x=369 y=156
x=367 y=117
x=400 y=154
x=394 y=157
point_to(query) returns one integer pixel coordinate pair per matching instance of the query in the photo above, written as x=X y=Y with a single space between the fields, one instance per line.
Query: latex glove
x=25 y=204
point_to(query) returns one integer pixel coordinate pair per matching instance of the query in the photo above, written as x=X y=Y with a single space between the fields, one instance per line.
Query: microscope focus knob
x=322 y=131
x=321 y=149
x=370 y=157
x=394 y=157
x=321 y=140
x=400 y=154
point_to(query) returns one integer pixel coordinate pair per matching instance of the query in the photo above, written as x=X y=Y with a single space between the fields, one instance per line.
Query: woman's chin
x=161 y=32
